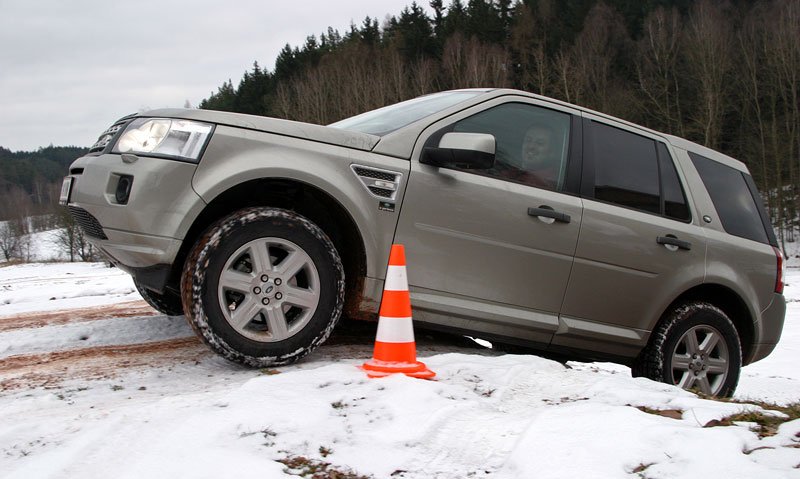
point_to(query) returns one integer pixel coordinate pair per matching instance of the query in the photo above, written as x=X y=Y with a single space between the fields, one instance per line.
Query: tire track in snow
x=46 y=348
x=126 y=309
x=510 y=407
x=102 y=362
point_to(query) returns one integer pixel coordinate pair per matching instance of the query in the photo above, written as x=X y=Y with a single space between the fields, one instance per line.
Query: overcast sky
x=70 y=68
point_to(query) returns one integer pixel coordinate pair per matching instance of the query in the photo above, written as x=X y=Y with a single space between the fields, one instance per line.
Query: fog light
x=123 y=189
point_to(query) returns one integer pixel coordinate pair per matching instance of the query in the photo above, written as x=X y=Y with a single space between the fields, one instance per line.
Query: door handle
x=672 y=240
x=545 y=211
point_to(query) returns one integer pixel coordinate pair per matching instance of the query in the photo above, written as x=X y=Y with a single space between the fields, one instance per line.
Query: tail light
x=779 y=276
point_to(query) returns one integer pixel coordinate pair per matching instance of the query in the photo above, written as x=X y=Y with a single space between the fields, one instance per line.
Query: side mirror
x=472 y=151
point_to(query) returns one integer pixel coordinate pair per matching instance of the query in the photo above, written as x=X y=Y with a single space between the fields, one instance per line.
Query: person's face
x=536 y=146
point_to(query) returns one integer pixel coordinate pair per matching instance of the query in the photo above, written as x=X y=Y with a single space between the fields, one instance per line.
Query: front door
x=483 y=253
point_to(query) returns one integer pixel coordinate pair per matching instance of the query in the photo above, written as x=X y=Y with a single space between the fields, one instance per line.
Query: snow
x=40 y=246
x=194 y=414
x=55 y=286
x=105 y=332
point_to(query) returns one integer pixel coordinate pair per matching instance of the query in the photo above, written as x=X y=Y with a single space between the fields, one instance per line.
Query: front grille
x=88 y=223
x=107 y=136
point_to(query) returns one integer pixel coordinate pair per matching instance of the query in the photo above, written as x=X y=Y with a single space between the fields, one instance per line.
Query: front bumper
x=148 y=230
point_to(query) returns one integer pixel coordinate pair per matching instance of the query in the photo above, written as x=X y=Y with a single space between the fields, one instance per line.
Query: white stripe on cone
x=395 y=330
x=396 y=279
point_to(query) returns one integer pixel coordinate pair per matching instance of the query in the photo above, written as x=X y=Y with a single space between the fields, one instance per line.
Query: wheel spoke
x=244 y=313
x=690 y=340
x=276 y=321
x=717 y=366
x=687 y=380
x=704 y=385
x=304 y=298
x=270 y=290
x=709 y=343
x=291 y=265
x=681 y=361
x=235 y=280
x=259 y=255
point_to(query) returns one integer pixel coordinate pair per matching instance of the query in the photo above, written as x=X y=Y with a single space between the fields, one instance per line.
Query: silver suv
x=527 y=221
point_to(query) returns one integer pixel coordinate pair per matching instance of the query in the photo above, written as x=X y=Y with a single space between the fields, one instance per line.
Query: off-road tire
x=201 y=278
x=167 y=303
x=655 y=360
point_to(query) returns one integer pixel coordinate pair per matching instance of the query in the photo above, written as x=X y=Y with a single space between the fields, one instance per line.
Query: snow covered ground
x=113 y=389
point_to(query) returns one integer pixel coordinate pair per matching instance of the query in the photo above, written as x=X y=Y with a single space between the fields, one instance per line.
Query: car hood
x=296 y=129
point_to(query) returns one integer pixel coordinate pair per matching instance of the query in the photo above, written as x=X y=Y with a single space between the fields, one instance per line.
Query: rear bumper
x=768 y=330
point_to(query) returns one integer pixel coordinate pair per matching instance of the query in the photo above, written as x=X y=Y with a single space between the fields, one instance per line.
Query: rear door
x=479 y=258
x=639 y=246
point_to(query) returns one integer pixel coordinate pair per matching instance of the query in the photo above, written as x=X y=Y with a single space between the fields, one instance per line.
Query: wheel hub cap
x=269 y=289
x=700 y=360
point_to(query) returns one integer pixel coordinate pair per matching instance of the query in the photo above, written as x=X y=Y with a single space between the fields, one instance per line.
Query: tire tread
x=192 y=280
x=651 y=360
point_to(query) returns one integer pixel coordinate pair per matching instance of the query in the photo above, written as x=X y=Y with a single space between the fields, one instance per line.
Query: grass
x=315 y=469
x=12 y=262
x=670 y=413
x=766 y=424
x=641 y=469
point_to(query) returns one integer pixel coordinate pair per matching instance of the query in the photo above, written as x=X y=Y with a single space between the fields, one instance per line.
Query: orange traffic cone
x=395 y=349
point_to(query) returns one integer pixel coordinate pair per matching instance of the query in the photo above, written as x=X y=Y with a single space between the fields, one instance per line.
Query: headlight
x=181 y=139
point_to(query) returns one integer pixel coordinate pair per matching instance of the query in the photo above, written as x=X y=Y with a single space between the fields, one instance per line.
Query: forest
x=30 y=181
x=725 y=74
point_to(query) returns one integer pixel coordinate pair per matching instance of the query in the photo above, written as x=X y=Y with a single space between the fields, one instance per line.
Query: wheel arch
x=302 y=198
x=730 y=302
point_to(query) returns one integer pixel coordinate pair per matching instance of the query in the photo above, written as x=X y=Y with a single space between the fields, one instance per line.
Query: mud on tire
x=697 y=347
x=167 y=303
x=263 y=286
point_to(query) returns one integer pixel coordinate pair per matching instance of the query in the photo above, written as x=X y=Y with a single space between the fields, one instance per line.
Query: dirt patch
x=50 y=369
x=127 y=309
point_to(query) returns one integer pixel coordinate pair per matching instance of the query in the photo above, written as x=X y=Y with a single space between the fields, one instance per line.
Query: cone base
x=379 y=369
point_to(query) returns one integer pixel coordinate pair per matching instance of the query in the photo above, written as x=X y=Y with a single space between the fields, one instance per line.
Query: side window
x=675 y=206
x=626 y=168
x=532 y=143
x=737 y=208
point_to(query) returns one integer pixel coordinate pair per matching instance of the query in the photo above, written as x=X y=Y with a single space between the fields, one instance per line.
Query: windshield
x=390 y=118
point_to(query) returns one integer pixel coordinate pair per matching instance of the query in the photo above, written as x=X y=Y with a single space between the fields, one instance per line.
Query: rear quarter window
x=740 y=212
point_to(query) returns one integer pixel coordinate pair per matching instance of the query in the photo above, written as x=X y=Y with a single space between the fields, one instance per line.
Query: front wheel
x=697 y=348
x=263 y=286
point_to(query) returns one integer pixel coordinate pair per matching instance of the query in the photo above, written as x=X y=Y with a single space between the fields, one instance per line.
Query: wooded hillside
x=30 y=181
x=723 y=74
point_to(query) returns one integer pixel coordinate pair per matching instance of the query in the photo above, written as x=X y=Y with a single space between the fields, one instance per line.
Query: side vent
x=381 y=184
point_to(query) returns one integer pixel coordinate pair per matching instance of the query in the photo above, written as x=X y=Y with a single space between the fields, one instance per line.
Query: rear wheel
x=168 y=303
x=263 y=286
x=697 y=348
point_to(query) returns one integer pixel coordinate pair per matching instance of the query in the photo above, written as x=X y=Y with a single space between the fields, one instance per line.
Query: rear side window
x=626 y=168
x=732 y=198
